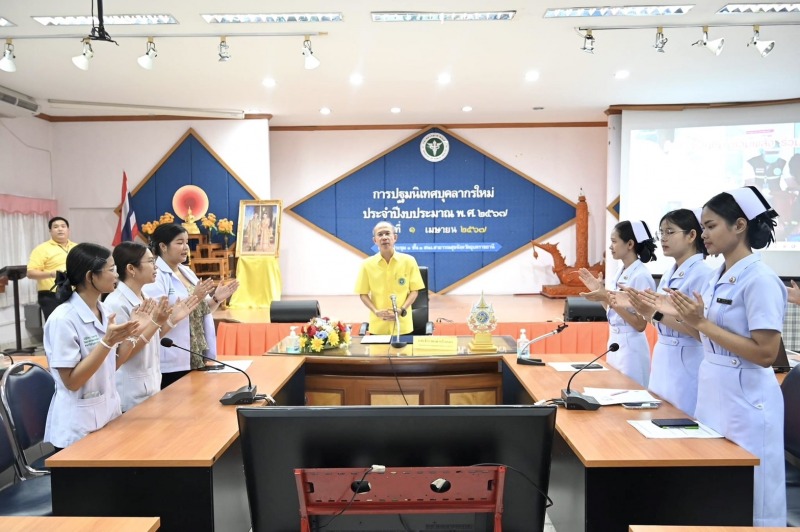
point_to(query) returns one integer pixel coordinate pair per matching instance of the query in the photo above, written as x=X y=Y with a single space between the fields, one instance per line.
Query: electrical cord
x=532 y=483
x=349 y=503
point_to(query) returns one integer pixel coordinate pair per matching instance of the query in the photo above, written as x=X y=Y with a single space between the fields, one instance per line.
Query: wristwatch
x=403 y=312
x=658 y=316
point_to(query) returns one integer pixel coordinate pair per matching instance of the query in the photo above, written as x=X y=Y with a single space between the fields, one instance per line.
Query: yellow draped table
x=259 y=282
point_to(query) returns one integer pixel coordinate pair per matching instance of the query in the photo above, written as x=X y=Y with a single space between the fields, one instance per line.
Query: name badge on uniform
x=724 y=301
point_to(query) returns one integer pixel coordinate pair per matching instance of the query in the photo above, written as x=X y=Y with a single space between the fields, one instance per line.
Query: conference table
x=78 y=524
x=177 y=455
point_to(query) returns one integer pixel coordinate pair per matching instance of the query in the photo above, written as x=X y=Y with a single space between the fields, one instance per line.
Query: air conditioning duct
x=13 y=104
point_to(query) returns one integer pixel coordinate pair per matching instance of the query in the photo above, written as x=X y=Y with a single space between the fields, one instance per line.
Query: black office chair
x=31 y=496
x=26 y=391
x=297 y=311
x=419 y=311
x=791 y=444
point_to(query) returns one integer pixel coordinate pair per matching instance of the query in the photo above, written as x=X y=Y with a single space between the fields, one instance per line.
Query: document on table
x=650 y=430
x=568 y=366
x=241 y=364
x=616 y=396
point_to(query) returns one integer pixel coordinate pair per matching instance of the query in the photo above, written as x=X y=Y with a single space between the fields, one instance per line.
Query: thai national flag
x=127 y=229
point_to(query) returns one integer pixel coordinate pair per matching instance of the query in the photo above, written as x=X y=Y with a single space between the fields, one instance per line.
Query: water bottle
x=523 y=350
x=293 y=341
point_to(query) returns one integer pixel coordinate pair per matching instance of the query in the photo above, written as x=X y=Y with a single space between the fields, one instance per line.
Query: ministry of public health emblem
x=434 y=147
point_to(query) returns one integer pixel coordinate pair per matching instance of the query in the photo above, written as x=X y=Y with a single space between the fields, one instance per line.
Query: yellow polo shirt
x=380 y=279
x=49 y=257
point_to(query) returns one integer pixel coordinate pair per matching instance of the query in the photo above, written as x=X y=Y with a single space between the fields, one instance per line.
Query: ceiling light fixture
x=588 y=42
x=715 y=46
x=224 y=50
x=395 y=110
x=618 y=11
x=532 y=75
x=764 y=47
x=156 y=110
x=311 y=62
x=7 y=63
x=82 y=61
x=444 y=78
x=467 y=108
x=356 y=79
x=147 y=60
x=325 y=111
x=434 y=16
x=661 y=40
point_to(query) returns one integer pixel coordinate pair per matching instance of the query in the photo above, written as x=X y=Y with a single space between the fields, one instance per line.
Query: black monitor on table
x=277 y=440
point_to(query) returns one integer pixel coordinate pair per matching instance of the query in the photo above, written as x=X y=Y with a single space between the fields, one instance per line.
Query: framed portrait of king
x=259 y=226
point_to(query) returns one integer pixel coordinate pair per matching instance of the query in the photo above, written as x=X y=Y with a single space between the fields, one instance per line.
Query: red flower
x=341 y=327
x=312 y=331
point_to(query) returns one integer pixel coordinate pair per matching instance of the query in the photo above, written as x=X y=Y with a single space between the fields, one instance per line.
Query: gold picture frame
x=259 y=229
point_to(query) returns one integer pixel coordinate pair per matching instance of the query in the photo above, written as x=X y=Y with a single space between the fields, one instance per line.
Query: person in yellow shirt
x=47 y=259
x=388 y=273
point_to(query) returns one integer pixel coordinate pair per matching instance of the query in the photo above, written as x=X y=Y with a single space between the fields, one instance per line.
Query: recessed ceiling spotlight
x=395 y=110
x=537 y=108
x=269 y=82
x=444 y=78
x=532 y=75
x=622 y=74
x=466 y=108
x=325 y=111
x=356 y=79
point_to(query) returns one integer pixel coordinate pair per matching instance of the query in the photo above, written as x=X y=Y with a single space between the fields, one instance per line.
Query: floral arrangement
x=322 y=333
x=149 y=227
x=209 y=223
x=225 y=227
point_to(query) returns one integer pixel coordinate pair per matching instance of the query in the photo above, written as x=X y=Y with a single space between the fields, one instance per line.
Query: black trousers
x=47 y=302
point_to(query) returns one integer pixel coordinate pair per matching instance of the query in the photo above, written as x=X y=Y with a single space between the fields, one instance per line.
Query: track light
x=661 y=41
x=224 y=51
x=147 y=60
x=7 y=63
x=311 y=62
x=588 y=42
x=82 y=61
x=764 y=47
x=715 y=46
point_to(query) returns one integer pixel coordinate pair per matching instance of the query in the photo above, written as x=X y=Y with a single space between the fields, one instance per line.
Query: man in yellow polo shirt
x=385 y=273
x=49 y=258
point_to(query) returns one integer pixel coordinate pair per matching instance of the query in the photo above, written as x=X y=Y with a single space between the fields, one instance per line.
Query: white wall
x=565 y=160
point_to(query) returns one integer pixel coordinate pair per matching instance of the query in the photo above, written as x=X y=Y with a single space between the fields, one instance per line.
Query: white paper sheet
x=241 y=364
x=649 y=430
x=376 y=339
x=617 y=396
x=567 y=366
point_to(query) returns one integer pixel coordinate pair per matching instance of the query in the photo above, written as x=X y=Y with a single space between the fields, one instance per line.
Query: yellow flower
x=333 y=338
x=347 y=338
x=303 y=342
x=316 y=344
x=149 y=227
x=166 y=218
x=209 y=222
x=225 y=226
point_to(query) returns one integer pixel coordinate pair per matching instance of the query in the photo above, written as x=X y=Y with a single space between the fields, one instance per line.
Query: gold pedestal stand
x=482 y=343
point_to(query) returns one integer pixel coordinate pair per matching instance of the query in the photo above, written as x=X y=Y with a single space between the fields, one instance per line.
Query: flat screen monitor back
x=277 y=440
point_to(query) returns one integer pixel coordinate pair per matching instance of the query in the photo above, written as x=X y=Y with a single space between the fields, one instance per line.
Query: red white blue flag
x=127 y=230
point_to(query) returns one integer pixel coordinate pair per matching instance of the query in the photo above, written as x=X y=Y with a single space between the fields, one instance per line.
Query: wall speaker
x=299 y=311
x=581 y=309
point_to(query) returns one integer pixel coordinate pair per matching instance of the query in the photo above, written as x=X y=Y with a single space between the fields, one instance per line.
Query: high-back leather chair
x=419 y=309
x=26 y=391
x=791 y=444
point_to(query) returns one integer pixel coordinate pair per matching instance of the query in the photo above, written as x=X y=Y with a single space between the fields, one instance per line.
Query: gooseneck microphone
x=397 y=343
x=245 y=395
x=528 y=361
x=577 y=401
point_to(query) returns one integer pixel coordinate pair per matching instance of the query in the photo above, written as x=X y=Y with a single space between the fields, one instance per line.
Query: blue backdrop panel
x=457 y=216
x=190 y=164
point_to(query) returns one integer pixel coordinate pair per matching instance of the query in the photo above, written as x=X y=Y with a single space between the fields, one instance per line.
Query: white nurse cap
x=640 y=231
x=750 y=201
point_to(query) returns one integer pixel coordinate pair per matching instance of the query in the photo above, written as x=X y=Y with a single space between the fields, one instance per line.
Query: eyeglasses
x=666 y=235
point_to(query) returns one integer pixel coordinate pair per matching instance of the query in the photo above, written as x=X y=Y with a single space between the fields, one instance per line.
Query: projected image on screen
x=685 y=166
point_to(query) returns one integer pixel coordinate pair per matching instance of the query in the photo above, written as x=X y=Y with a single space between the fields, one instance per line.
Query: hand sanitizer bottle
x=522 y=349
x=293 y=341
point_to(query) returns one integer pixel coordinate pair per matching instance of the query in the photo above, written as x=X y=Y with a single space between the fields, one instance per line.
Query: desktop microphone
x=397 y=343
x=577 y=401
x=245 y=395
x=528 y=361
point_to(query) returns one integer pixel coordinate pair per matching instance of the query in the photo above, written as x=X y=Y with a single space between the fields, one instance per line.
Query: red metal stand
x=475 y=489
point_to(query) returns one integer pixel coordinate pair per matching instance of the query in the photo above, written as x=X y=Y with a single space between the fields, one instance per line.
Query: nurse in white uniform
x=140 y=376
x=739 y=316
x=632 y=243
x=170 y=244
x=678 y=353
x=82 y=344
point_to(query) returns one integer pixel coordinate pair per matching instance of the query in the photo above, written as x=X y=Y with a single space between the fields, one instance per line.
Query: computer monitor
x=277 y=440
